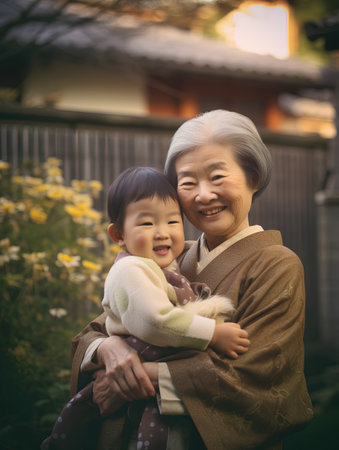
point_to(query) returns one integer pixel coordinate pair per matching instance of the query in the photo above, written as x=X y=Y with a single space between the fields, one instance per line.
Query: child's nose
x=161 y=232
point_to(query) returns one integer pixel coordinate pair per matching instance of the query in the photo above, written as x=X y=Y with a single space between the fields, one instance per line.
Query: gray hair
x=228 y=129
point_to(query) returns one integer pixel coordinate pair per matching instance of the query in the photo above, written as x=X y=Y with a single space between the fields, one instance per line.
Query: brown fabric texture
x=254 y=401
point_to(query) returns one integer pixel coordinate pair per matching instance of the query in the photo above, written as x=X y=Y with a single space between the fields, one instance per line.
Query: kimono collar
x=206 y=256
x=214 y=273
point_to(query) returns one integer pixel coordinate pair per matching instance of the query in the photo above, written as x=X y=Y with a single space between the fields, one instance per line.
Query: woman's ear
x=115 y=235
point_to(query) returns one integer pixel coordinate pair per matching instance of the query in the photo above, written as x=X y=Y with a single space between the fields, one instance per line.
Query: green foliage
x=54 y=253
x=307 y=11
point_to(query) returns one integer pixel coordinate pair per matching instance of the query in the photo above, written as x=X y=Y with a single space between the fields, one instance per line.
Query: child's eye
x=173 y=221
x=146 y=224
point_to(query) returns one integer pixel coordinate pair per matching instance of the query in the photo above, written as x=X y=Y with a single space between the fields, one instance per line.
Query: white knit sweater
x=139 y=301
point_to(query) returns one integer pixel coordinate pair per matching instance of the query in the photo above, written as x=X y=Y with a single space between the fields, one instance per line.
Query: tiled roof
x=126 y=38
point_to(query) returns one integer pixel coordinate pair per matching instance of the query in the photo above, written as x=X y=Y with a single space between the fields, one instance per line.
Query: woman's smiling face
x=214 y=192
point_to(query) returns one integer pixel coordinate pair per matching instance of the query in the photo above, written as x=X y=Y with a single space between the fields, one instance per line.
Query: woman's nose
x=205 y=193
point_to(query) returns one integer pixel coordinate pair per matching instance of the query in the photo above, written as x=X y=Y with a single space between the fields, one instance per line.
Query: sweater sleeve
x=136 y=301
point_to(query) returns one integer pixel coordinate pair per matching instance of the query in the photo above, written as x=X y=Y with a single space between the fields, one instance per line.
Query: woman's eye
x=217 y=177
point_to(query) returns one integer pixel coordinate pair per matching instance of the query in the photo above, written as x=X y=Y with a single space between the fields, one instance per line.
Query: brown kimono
x=254 y=401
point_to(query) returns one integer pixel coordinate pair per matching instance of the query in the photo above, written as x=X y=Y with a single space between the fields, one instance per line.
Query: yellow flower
x=38 y=215
x=10 y=252
x=115 y=248
x=68 y=194
x=94 y=267
x=43 y=188
x=4 y=243
x=93 y=215
x=6 y=205
x=87 y=242
x=73 y=211
x=68 y=260
x=31 y=191
x=20 y=206
x=95 y=187
x=53 y=161
x=4 y=165
x=54 y=175
x=3 y=260
x=96 y=300
x=56 y=193
x=35 y=257
x=18 y=180
x=79 y=185
x=54 y=171
x=82 y=201
x=33 y=181
x=40 y=267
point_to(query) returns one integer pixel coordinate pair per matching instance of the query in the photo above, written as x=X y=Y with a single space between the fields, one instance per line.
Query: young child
x=158 y=307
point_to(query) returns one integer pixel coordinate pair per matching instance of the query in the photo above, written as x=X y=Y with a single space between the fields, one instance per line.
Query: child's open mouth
x=161 y=249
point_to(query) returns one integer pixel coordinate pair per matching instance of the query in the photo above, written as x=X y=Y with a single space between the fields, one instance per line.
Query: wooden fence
x=101 y=146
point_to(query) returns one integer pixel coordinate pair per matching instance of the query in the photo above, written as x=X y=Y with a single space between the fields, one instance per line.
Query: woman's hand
x=107 y=400
x=126 y=377
x=230 y=339
x=152 y=371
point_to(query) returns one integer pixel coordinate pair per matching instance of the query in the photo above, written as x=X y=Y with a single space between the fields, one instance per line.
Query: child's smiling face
x=153 y=229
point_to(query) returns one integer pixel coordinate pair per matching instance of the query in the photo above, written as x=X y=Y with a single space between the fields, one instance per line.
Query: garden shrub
x=54 y=254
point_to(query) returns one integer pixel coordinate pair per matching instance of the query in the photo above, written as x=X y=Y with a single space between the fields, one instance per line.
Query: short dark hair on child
x=136 y=183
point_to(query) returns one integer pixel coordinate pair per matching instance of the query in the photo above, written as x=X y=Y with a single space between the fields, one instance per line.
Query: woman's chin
x=215 y=227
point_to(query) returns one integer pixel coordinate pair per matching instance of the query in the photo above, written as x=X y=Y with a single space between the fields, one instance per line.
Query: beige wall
x=76 y=85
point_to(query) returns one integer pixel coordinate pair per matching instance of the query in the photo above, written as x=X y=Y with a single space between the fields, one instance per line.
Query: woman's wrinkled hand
x=126 y=377
x=107 y=400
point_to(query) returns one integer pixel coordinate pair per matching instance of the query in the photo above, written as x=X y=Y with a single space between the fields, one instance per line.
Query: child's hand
x=230 y=339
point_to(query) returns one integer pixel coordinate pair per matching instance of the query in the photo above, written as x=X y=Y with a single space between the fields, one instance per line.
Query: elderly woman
x=218 y=163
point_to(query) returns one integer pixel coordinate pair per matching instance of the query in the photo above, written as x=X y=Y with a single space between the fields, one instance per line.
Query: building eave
x=129 y=40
